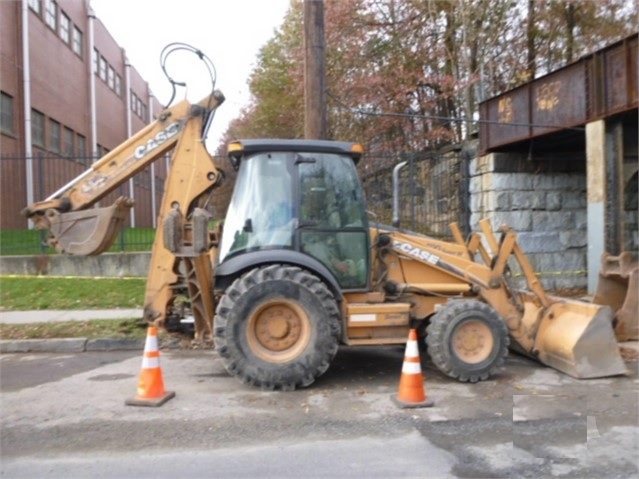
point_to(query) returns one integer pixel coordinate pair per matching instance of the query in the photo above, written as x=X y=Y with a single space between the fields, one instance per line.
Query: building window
x=118 y=84
x=102 y=151
x=36 y=6
x=37 y=128
x=65 y=28
x=103 y=68
x=68 y=142
x=81 y=148
x=54 y=136
x=96 y=59
x=137 y=106
x=111 y=78
x=6 y=113
x=51 y=13
x=77 y=41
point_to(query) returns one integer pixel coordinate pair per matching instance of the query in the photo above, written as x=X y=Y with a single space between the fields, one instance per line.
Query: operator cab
x=302 y=196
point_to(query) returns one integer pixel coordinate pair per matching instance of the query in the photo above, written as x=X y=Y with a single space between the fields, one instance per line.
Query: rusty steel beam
x=595 y=87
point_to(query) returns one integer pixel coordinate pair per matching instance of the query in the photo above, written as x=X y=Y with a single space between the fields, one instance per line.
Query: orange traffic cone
x=150 y=385
x=411 y=392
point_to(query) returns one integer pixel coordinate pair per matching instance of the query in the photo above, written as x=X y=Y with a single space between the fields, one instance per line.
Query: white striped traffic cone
x=411 y=392
x=151 y=385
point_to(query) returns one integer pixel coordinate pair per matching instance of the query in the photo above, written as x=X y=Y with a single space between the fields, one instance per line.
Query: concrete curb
x=63 y=345
x=69 y=345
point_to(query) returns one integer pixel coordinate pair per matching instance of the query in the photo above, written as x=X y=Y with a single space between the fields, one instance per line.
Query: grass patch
x=101 y=328
x=42 y=292
x=33 y=242
x=23 y=242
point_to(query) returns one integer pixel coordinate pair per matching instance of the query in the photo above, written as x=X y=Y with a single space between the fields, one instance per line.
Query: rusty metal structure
x=600 y=85
x=550 y=116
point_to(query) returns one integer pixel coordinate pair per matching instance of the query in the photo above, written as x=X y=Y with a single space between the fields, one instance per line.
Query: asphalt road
x=64 y=416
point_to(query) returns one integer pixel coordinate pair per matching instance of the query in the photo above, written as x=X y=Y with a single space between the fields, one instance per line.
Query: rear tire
x=277 y=327
x=467 y=340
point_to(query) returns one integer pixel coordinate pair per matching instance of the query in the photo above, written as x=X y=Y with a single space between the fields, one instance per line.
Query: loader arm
x=181 y=253
x=572 y=336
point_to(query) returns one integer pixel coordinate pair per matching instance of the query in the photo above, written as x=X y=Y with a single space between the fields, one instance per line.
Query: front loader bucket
x=577 y=338
x=87 y=232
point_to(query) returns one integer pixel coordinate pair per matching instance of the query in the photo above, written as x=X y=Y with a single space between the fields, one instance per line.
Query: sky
x=229 y=32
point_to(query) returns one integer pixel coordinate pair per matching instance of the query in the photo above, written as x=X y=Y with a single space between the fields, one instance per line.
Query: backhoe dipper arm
x=180 y=258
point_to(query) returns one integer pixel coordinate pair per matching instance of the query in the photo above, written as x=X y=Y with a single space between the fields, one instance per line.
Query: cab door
x=333 y=226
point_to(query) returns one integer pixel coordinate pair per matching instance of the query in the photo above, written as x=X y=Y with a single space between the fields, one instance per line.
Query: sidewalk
x=67 y=345
x=47 y=316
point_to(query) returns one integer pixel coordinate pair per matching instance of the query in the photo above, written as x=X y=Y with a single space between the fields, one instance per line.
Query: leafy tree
x=407 y=75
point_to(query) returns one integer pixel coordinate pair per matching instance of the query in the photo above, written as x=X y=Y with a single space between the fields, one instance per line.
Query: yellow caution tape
x=555 y=273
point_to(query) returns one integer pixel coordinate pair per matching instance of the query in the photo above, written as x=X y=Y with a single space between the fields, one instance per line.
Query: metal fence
x=48 y=173
x=43 y=174
x=433 y=192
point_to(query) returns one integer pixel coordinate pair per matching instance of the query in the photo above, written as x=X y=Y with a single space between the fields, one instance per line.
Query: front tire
x=467 y=340
x=277 y=327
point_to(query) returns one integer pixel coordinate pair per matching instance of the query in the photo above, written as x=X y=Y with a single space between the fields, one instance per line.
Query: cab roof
x=243 y=147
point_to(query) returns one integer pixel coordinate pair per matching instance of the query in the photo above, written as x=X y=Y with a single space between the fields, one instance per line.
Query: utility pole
x=314 y=71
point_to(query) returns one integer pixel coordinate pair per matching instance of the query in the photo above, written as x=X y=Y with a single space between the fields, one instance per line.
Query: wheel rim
x=473 y=341
x=278 y=331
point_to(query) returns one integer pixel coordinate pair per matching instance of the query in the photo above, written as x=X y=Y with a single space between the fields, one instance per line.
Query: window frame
x=65 y=28
x=118 y=85
x=37 y=128
x=77 y=37
x=68 y=148
x=55 y=135
x=51 y=14
x=36 y=6
x=103 y=68
x=96 y=61
x=81 y=148
x=6 y=113
x=111 y=77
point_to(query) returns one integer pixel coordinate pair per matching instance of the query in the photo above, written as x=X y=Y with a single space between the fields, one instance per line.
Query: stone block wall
x=545 y=203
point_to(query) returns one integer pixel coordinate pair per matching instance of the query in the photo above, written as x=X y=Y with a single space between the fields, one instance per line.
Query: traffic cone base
x=407 y=405
x=411 y=392
x=150 y=385
x=135 y=401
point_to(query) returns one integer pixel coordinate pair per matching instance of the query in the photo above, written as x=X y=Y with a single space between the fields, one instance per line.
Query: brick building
x=68 y=96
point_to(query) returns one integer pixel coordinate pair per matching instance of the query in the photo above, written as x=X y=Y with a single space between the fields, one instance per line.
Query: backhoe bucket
x=87 y=232
x=576 y=338
x=618 y=287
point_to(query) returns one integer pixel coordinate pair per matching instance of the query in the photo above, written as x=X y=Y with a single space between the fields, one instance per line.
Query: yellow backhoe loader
x=297 y=268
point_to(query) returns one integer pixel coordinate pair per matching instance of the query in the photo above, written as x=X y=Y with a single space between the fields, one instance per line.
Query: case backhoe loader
x=297 y=269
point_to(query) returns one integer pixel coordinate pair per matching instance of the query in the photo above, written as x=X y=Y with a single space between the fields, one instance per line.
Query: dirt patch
x=106 y=328
x=628 y=354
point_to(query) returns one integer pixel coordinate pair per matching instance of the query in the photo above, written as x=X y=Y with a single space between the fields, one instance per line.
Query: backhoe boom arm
x=123 y=162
